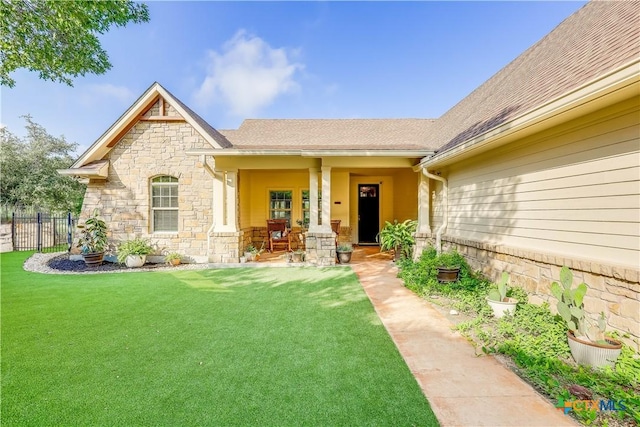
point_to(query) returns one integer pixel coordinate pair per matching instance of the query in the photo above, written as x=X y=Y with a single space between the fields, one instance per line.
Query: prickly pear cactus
x=501 y=293
x=570 y=301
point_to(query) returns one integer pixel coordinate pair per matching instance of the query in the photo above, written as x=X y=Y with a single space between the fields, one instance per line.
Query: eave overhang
x=619 y=84
x=94 y=170
x=310 y=153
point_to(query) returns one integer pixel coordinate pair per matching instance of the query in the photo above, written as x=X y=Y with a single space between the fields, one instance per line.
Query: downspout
x=445 y=202
x=211 y=172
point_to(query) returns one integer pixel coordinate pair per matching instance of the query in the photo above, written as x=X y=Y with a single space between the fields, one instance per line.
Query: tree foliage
x=58 y=39
x=28 y=167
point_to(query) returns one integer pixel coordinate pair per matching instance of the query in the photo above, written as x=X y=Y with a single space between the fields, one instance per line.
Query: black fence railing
x=42 y=231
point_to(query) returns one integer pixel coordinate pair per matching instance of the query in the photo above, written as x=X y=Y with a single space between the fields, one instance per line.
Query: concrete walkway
x=462 y=388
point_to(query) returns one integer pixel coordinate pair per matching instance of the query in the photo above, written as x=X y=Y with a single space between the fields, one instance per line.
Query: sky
x=229 y=61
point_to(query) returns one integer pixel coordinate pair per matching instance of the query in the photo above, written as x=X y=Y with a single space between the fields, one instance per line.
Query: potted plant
x=251 y=253
x=298 y=255
x=398 y=236
x=344 y=251
x=93 y=240
x=134 y=252
x=448 y=269
x=498 y=300
x=588 y=343
x=173 y=258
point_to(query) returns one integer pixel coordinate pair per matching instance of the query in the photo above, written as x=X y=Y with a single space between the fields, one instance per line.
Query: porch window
x=164 y=204
x=306 y=207
x=280 y=203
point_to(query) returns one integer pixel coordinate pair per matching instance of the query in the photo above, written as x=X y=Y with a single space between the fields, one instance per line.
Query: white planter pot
x=134 y=261
x=500 y=308
x=594 y=354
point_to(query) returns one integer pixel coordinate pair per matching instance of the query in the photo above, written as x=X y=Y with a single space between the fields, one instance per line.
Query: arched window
x=164 y=204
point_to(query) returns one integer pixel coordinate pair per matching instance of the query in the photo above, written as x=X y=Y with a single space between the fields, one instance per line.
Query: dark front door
x=368 y=212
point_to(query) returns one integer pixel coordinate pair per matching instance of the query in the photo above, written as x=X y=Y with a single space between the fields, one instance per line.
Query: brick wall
x=614 y=290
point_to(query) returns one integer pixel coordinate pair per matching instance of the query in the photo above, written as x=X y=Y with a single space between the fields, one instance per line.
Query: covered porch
x=309 y=191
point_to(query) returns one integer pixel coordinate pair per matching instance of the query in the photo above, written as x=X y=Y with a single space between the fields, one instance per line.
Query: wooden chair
x=278 y=233
x=335 y=227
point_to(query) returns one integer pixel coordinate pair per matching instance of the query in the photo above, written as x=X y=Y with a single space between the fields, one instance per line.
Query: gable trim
x=112 y=136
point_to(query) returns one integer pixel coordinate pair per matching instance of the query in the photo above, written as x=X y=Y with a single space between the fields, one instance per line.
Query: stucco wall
x=150 y=149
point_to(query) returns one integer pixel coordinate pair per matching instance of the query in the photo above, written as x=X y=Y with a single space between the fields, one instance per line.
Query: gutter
x=618 y=84
x=445 y=202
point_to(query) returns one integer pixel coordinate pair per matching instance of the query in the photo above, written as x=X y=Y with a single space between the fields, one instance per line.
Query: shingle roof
x=344 y=134
x=596 y=39
x=217 y=136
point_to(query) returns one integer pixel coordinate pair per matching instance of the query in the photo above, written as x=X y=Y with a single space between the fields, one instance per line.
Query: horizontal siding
x=573 y=191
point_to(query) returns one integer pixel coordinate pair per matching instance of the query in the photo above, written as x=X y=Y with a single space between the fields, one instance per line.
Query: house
x=539 y=167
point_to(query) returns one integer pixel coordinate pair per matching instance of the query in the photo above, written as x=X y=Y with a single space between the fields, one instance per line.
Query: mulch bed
x=63 y=263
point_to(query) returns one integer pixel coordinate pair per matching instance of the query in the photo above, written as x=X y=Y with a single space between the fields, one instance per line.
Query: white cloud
x=121 y=93
x=248 y=75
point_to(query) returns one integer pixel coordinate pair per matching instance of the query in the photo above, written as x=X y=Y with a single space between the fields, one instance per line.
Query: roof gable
x=151 y=106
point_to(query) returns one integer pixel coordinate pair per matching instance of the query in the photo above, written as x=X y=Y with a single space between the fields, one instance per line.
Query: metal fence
x=42 y=231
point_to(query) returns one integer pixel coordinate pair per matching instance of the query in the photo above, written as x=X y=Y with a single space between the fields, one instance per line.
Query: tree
x=28 y=168
x=59 y=39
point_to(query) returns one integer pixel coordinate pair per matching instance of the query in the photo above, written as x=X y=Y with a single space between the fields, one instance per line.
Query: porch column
x=424 y=205
x=326 y=199
x=225 y=193
x=313 y=199
x=231 y=202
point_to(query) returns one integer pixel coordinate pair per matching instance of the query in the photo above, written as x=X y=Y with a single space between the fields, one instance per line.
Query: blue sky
x=234 y=60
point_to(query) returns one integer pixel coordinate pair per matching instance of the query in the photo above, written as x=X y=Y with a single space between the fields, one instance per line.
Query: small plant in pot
x=297 y=255
x=173 y=258
x=588 y=343
x=399 y=237
x=134 y=252
x=498 y=300
x=93 y=240
x=344 y=251
x=448 y=269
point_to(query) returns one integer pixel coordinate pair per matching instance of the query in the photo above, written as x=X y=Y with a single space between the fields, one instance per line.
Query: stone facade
x=321 y=249
x=226 y=247
x=613 y=290
x=147 y=150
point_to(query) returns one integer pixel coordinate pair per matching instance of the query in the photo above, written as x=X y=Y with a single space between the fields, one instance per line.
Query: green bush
x=137 y=246
x=533 y=338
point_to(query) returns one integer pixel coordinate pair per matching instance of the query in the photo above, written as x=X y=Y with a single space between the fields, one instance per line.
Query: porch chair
x=335 y=227
x=278 y=233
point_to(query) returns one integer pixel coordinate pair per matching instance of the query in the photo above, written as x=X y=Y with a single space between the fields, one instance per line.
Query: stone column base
x=423 y=241
x=321 y=248
x=225 y=247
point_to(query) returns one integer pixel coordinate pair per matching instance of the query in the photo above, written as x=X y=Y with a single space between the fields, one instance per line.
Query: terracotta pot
x=93 y=259
x=594 y=354
x=175 y=262
x=448 y=274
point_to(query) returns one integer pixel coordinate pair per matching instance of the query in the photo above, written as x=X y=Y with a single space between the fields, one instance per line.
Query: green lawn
x=264 y=347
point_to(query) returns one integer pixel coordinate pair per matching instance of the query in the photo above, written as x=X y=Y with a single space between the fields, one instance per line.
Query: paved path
x=462 y=388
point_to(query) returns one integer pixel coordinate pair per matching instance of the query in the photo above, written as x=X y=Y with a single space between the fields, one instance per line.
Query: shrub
x=137 y=246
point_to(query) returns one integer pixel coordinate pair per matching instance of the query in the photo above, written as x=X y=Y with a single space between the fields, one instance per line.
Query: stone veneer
x=613 y=290
x=225 y=247
x=321 y=249
x=148 y=150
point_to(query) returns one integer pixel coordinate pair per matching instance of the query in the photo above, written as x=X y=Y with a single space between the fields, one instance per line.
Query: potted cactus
x=588 y=343
x=498 y=300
